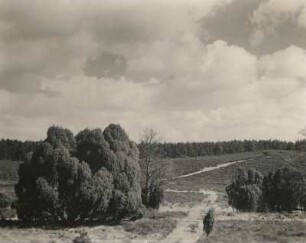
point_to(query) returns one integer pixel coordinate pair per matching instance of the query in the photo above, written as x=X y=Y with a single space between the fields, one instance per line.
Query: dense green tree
x=57 y=135
x=102 y=183
x=283 y=190
x=245 y=193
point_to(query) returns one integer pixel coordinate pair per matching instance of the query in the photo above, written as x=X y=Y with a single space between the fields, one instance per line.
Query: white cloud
x=53 y=70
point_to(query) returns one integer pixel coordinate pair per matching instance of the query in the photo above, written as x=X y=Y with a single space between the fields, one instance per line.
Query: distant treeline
x=17 y=150
x=194 y=149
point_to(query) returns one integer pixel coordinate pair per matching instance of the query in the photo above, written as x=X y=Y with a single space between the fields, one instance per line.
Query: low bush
x=151 y=226
x=5 y=200
x=245 y=193
x=282 y=190
x=82 y=238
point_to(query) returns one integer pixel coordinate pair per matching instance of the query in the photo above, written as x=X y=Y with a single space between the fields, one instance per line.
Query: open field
x=8 y=176
x=186 y=201
x=182 y=166
x=218 y=179
x=238 y=231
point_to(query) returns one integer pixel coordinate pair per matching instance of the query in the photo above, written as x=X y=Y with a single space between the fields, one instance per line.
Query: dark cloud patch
x=23 y=83
x=106 y=65
x=233 y=24
x=230 y=23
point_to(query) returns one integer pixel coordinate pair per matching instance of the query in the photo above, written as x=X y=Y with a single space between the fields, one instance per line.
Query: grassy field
x=182 y=199
x=8 y=176
x=218 y=179
x=183 y=166
x=268 y=231
x=181 y=213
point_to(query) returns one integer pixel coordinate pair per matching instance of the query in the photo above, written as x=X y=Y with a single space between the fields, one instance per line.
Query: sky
x=193 y=70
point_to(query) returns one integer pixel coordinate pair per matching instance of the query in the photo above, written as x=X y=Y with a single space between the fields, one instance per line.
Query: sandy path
x=210 y=168
x=183 y=233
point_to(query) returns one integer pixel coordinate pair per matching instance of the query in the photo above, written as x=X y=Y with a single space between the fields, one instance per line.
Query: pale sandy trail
x=210 y=168
x=182 y=233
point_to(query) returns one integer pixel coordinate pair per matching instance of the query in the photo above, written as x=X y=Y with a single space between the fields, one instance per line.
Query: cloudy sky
x=194 y=70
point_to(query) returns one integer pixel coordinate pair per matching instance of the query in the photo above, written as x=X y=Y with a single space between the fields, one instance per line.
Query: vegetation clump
x=208 y=221
x=245 y=192
x=282 y=190
x=94 y=176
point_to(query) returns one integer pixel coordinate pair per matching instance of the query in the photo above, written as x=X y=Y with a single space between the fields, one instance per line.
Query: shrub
x=208 y=221
x=5 y=200
x=156 y=197
x=83 y=238
x=283 y=190
x=245 y=193
x=151 y=226
x=102 y=182
x=152 y=196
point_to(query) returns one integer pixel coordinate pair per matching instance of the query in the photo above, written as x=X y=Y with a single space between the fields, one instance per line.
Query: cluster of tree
x=282 y=190
x=93 y=176
x=15 y=150
x=194 y=149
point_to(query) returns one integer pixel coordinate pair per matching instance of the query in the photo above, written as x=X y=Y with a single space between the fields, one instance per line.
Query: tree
x=5 y=200
x=152 y=169
x=82 y=238
x=208 y=222
x=101 y=184
x=245 y=193
x=57 y=135
x=284 y=190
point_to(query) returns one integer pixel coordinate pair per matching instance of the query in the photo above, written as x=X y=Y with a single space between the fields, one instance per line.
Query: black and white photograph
x=164 y=121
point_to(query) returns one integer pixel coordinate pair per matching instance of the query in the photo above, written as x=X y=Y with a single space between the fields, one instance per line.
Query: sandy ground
x=210 y=168
x=189 y=229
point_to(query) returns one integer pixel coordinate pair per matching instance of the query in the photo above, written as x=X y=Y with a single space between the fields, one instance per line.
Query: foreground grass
x=257 y=231
x=161 y=223
x=151 y=226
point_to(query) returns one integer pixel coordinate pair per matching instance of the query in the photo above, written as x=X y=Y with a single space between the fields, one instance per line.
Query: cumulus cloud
x=185 y=68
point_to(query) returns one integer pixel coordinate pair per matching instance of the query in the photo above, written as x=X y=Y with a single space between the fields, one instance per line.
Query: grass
x=257 y=231
x=218 y=179
x=151 y=226
x=154 y=214
x=8 y=176
x=155 y=223
x=181 y=166
x=9 y=170
x=183 y=198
